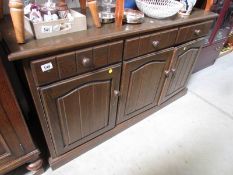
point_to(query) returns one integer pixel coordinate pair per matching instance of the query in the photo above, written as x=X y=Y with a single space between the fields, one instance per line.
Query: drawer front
x=149 y=43
x=192 y=32
x=66 y=65
x=45 y=70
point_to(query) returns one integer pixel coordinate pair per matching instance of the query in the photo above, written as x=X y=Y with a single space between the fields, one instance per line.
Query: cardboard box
x=59 y=27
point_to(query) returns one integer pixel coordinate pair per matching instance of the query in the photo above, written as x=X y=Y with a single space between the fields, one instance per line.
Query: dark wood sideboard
x=90 y=85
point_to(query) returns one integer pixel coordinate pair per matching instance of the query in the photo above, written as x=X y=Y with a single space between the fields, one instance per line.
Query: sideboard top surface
x=43 y=47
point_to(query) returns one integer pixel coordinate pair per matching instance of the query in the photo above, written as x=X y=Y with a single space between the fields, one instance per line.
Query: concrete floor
x=192 y=136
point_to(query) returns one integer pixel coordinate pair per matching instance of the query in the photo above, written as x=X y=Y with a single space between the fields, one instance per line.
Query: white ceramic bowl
x=159 y=8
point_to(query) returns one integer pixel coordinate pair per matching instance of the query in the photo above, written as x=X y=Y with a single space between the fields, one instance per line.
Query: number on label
x=46 y=67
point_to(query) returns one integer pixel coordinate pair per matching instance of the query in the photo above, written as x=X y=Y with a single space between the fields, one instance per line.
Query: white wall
x=71 y=4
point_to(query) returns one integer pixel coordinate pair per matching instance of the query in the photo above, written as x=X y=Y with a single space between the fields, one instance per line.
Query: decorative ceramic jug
x=188 y=6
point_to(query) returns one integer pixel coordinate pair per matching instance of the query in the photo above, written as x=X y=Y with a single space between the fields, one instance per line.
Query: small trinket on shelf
x=17 y=16
x=27 y=9
x=107 y=14
x=62 y=9
x=34 y=14
x=50 y=5
x=133 y=16
x=94 y=13
x=48 y=8
x=188 y=7
x=50 y=17
x=119 y=12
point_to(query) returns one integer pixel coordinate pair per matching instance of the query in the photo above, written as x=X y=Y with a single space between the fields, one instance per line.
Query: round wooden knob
x=116 y=93
x=167 y=72
x=86 y=62
x=197 y=32
x=173 y=71
x=155 y=43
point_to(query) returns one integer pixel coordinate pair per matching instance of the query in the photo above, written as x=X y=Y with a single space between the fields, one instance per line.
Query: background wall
x=71 y=4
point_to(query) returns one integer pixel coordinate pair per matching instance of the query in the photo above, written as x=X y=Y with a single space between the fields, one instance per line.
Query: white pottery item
x=187 y=7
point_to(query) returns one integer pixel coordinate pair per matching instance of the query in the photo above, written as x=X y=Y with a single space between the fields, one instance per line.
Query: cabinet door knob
x=173 y=71
x=155 y=43
x=197 y=31
x=166 y=72
x=116 y=93
x=86 y=62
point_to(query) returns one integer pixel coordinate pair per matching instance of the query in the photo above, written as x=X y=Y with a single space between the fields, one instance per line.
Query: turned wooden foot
x=36 y=167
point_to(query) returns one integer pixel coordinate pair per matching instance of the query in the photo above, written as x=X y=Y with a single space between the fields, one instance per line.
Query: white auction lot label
x=46 y=67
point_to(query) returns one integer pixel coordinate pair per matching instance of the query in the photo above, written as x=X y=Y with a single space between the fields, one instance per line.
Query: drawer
x=66 y=65
x=192 y=32
x=141 y=45
x=45 y=70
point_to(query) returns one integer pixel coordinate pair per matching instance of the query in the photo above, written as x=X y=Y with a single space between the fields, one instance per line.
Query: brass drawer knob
x=155 y=43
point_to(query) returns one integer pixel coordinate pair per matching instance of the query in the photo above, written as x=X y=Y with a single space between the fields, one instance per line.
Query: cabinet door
x=181 y=68
x=208 y=55
x=141 y=84
x=10 y=148
x=15 y=140
x=81 y=108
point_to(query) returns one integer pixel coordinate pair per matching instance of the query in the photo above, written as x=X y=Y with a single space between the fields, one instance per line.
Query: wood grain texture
x=131 y=48
x=66 y=64
x=181 y=68
x=142 y=81
x=67 y=105
x=27 y=158
x=72 y=63
x=69 y=42
x=5 y=151
x=63 y=159
x=165 y=39
x=15 y=139
x=1 y=9
x=84 y=111
x=43 y=77
x=81 y=108
x=208 y=56
x=194 y=31
x=17 y=17
x=144 y=44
